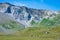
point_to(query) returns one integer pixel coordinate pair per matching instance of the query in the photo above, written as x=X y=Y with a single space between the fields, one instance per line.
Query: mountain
x=24 y=15
x=12 y=16
x=9 y=25
x=23 y=23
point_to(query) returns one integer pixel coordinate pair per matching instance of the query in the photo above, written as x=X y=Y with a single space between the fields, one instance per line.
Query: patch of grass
x=12 y=25
x=33 y=22
x=35 y=33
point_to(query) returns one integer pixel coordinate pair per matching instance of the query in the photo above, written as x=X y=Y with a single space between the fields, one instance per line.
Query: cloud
x=18 y=3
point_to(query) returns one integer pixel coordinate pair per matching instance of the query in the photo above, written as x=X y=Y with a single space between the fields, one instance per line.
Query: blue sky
x=37 y=4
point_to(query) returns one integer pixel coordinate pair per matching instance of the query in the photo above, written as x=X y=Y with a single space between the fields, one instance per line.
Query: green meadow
x=34 y=33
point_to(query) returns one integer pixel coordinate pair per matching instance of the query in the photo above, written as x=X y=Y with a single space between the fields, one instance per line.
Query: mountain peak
x=25 y=15
x=7 y=3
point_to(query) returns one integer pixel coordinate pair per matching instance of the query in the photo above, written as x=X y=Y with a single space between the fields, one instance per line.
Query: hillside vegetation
x=35 y=33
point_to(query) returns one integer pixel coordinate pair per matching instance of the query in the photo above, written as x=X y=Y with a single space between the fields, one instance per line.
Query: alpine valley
x=29 y=23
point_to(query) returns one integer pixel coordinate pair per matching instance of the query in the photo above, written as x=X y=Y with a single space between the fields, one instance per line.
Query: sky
x=37 y=4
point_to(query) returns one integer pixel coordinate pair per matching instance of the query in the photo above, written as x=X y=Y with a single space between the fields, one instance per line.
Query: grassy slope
x=12 y=25
x=38 y=32
x=51 y=22
x=8 y=25
x=35 y=33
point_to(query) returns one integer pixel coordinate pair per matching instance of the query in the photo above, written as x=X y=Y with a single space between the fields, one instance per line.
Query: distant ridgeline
x=14 y=17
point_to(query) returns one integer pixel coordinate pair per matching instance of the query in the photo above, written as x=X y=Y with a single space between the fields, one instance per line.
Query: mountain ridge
x=25 y=15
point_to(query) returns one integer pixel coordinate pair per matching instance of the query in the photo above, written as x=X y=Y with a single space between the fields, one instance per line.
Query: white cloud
x=18 y=4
